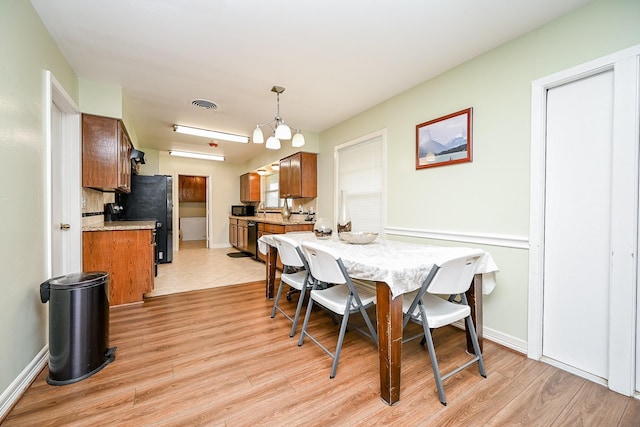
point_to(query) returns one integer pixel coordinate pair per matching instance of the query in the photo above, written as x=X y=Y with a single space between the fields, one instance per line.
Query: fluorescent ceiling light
x=211 y=134
x=197 y=155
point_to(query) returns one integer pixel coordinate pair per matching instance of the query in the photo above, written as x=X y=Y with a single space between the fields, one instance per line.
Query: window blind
x=360 y=173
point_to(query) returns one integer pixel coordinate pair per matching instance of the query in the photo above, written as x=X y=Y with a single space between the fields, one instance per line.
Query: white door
x=59 y=224
x=578 y=223
x=65 y=183
x=583 y=241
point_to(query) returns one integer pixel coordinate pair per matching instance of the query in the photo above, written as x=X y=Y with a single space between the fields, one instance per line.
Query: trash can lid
x=79 y=280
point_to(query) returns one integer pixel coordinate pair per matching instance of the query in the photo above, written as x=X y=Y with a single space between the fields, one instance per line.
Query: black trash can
x=78 y=326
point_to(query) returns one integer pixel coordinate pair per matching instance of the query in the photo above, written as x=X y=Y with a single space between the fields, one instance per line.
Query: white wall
x=224 y=190
x=488 y=199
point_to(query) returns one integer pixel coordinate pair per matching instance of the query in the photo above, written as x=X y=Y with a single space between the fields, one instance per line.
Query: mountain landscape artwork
x=444 y=141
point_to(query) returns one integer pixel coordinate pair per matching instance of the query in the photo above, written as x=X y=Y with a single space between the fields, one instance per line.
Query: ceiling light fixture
x=262 y=172
x=197 y=155
x=275 y=166
x=211 y=134
x=279 y=127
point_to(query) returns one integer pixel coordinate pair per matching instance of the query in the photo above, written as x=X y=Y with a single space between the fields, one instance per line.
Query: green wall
x=26 y=50
x=490 y=196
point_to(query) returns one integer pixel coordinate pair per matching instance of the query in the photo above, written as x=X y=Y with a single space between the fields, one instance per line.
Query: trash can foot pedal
x=110 y=354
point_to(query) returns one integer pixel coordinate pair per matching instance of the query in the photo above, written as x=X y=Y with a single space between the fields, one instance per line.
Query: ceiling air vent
x=203 y=103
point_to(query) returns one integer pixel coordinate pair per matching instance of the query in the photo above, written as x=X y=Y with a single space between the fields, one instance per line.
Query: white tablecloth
x=403 y=266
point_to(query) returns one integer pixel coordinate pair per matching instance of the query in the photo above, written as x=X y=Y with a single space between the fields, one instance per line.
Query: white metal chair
x=423 y=307
x=295 y=274
x=343 y=298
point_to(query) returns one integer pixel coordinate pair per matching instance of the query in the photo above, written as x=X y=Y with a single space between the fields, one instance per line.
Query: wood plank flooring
x=215 y=357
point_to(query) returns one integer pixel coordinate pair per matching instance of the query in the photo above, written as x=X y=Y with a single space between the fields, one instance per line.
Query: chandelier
x=279 y=128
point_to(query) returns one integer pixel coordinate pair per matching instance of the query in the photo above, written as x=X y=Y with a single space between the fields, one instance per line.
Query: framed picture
x=444 y=141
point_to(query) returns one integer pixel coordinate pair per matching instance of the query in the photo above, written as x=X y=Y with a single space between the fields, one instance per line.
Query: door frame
x=71 y=173
x=624 y=206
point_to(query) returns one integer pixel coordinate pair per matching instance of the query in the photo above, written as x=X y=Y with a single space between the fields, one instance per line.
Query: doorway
x=193 y=211
x=584 y=220
x=64 y=171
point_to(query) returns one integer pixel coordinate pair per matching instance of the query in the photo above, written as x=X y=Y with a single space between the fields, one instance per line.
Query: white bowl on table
x=358 y=237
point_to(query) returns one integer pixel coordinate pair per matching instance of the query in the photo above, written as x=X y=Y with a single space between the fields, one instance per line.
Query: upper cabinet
x=298 y=176
x=250 y=187
x=192 y=188
x=106 y=150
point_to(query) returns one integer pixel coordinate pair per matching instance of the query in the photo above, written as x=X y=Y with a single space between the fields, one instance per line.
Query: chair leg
x=432 y=356
x=303 y=292
x=476 y=345
x=372 y=330
x=343 y=330
x=306 y=321
x=275 y=303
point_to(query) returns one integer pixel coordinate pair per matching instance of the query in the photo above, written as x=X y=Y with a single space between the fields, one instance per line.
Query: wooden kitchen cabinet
x=250 y=187
x=266 y=228
x=192 y=188
x=233 y=232
x=106 y=149
x=298 y=176
x=128 y=257
x=243 y=235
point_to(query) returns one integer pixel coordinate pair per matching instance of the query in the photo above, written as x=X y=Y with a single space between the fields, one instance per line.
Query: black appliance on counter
x=151 y=199
x=243 y=210
x=112 y=212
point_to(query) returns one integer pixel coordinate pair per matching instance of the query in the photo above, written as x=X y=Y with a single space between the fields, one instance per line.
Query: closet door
x=585 y=187
x=578 y=223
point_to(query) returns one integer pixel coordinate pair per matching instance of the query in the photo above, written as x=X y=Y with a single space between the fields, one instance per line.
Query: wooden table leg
x=474 y=297
x=389 y=314
x=272 y=256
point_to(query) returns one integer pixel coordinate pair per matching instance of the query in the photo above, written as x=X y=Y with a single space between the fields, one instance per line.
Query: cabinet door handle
x=64 y=226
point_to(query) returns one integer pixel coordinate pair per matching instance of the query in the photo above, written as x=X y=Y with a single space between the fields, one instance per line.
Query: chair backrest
x=288 y=251
x=454 y=276
x=323 y=264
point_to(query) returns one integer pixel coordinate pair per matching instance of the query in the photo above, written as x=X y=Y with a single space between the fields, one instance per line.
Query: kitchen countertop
x=121 y=225
x=274 y=220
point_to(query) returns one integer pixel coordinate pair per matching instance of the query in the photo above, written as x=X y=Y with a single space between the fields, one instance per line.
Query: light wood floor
x=215 y=357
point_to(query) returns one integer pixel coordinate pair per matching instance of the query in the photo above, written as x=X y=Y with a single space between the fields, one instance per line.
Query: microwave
x=243 y=210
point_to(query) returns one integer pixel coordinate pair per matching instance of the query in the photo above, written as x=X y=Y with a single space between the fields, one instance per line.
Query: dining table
x=397 y=268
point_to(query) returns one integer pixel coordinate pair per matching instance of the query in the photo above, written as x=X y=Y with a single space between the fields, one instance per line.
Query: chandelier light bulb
x=283 y=131
x=258 y=137
x=298 y=140
x=273 y=143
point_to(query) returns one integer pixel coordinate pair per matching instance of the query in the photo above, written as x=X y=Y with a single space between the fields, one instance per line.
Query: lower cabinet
x=233 y=232
x=238 y=233
x=243 y=235
x=266 y=228
x=128 y=257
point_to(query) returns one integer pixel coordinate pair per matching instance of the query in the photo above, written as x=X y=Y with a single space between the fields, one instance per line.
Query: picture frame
x=445 y=140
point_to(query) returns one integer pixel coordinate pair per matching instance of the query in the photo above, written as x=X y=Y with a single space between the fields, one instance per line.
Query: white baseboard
x=220 y=246
x=504 y=340
x=11 y=395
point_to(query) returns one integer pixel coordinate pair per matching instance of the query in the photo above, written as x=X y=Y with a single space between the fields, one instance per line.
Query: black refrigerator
x=151 y=199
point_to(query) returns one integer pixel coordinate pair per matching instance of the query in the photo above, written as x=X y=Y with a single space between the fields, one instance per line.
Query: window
x=271 y=190
x=360 y=171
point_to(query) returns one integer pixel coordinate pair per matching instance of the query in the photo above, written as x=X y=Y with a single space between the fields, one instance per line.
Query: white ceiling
x=335 y=58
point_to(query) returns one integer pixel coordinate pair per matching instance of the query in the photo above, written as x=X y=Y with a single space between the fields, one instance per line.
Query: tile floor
x=196 y=267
